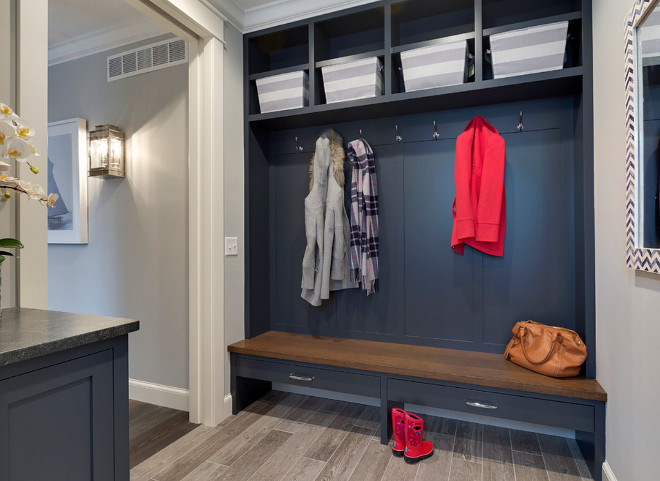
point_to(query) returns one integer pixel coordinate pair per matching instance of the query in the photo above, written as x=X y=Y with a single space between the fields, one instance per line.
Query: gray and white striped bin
x=357 y=79
x=650 y=36
x=283 y=92
x=529 y=50
x=434 y=66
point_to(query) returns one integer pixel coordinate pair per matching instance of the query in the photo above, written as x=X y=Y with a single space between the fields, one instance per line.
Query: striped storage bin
x=529 y=50
x=650 y=36
x=358 y=79
x=434 y=66
x=283 y=92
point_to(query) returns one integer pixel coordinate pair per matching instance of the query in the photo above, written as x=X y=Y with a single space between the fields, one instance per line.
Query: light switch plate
x=231 y=246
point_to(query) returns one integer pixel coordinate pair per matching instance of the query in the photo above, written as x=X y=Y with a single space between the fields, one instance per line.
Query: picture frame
x=67 y=177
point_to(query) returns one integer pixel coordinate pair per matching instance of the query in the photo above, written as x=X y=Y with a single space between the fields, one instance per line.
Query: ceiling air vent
x=147 y=59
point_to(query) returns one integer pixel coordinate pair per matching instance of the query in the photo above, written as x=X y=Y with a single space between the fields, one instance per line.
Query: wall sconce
x=106 y=152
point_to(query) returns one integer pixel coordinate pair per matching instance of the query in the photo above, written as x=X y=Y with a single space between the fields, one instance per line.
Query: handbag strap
x=524 y=349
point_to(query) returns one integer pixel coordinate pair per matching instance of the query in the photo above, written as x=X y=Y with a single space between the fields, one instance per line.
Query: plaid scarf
x=364 y=216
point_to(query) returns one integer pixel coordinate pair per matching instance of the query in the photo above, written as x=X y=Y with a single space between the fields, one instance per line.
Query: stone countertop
x=29 y=333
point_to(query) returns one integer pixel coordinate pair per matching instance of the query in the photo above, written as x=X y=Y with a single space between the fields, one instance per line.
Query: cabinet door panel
x=535 y=279
x=383 y=311
x=288 y=221
x=440 y=298
x=57 y=422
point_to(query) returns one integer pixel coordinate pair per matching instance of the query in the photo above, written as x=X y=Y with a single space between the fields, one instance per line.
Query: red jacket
x=480 y=204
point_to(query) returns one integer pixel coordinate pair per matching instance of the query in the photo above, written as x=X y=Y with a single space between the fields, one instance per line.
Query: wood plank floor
x=290 y=437
x=152 y=428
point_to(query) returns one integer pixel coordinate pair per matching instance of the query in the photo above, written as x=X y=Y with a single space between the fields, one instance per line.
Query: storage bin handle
x=296 y=377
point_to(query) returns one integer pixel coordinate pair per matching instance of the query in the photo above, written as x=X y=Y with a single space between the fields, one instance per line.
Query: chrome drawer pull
x=476 y=404
x=295 y=377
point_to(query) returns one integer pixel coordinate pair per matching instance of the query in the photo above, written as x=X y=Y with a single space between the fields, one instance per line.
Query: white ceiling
x=70 y=19
x=82 y=27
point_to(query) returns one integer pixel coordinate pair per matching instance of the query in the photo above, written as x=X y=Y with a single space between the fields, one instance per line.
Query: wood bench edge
x=597 y=394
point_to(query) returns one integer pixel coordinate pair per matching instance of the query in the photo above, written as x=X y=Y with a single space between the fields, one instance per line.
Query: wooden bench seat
x=467 y=367
x=466 y=381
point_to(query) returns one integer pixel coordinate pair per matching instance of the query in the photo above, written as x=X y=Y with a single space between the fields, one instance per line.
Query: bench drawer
x=560 y=414
x=302 y=375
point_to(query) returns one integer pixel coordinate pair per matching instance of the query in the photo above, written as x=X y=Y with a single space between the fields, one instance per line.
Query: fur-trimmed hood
x=337 y=156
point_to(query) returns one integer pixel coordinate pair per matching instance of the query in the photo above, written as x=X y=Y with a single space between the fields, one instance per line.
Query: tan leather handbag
x=553 y=351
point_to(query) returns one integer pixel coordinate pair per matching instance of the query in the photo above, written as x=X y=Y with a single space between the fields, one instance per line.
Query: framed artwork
x=67 y=176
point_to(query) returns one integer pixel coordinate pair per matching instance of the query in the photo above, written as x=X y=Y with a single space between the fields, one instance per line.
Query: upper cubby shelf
x=524 y=87
x=388 y=28
x=360 y=32
x=503 y=13
x=426 y=20
x=278 y=50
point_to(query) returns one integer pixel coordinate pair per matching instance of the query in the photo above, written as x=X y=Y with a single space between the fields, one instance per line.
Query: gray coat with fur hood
x=326 y=263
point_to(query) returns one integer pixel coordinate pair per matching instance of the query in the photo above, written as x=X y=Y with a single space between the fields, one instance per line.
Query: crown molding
x=280 y=12
x=102 y=40
x=229 y=9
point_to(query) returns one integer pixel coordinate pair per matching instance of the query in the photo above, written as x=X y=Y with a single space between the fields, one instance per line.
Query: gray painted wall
x=233 y=185
x=627 y=302
x=136 y=262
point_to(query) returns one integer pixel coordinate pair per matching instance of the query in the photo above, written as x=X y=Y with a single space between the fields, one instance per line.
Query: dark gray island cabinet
x=63 y=396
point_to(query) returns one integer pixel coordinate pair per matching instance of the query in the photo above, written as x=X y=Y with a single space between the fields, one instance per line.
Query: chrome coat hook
x=299 y=147
x=361 y=133
x=436 y=135
x=520 y=125
x=398 y=138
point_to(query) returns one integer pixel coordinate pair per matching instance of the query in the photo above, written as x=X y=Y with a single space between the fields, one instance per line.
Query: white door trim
x=31 y=103
x=203 y=28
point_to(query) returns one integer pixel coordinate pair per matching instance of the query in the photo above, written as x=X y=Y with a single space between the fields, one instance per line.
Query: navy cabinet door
x=56 y=423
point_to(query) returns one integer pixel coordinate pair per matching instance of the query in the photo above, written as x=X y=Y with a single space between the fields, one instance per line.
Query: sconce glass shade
x=106 y=152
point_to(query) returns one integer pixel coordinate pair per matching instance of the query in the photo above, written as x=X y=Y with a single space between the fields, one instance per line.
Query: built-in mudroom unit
x=444 y=319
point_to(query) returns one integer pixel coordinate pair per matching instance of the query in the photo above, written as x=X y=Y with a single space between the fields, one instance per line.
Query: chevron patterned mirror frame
x=637 y=257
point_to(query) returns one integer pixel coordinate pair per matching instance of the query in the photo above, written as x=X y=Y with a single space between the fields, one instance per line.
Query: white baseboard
x=159 y=394
x=608 y=474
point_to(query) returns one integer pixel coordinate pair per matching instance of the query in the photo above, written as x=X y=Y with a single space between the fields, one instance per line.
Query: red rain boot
x=399 y=427
x=416 y=448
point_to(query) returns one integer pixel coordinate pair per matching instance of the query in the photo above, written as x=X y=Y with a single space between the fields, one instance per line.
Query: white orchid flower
x=33 y=150
x=7 y=131
x=18 y=149
x=6 y=111
x=52 y=198
x=23 y=130
x=34 y=191
x=5 y=180
x=16 y=144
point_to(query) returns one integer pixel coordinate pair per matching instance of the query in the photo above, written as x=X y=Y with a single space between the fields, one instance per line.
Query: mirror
x=643 y=136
